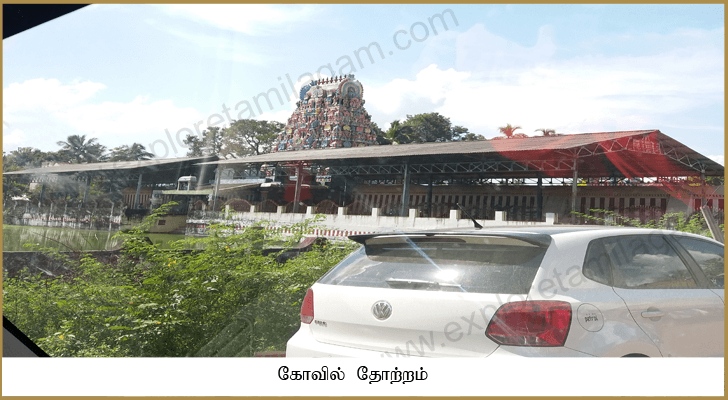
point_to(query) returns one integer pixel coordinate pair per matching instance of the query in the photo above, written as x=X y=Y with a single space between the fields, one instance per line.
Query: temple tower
x=329 y=114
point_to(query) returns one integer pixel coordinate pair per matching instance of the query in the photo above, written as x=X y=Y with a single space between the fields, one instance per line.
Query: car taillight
x=531 y=323
x=307 y=308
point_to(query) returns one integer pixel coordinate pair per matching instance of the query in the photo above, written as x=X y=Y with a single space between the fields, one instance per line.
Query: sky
x=153 y=74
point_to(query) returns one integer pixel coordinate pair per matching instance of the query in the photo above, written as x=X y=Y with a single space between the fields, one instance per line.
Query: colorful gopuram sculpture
x=329 y=114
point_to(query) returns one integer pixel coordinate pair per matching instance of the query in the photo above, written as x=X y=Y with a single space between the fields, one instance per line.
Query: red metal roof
x=605 y=151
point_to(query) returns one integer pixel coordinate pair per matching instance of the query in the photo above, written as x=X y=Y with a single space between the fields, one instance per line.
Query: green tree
x=211 y=143
x=546 y=132
x=22 y=158
x=56 y=157
x=380 y=134
x=422 y=128
x=250 y=137
x=77 y=149
x=135 y=152
x=472 y=137
x=508 y=130
x=11 y=186
x=396 y=132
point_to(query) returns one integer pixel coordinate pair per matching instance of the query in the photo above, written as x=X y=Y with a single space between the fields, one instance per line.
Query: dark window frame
x=593 y=243
x=691 y=262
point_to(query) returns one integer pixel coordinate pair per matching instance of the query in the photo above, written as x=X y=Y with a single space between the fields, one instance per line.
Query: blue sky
x=132 y=73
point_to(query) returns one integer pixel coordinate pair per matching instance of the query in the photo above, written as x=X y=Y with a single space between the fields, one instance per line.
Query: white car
x=552 y=291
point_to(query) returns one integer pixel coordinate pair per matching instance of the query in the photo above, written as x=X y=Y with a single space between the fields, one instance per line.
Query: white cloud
x=14 y=138
x=251 y=19
x=428 y=91
x=43 y=111
x=47 y=111
x=718 y=158
x=46 y=94
x=496 y=82
x=138 y=116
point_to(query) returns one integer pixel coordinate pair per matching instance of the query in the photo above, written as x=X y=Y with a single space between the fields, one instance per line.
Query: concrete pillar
x=429 y=197
x=573 y=195
x=42 y=192
x=217 y=187
x=341 y=211
x=280 y=209
x=500 y=216
x=310 y=210
x=86 y=189
x=413 y=213
x=405 y=190
x=539 y=200
x=179 y=173
x=375 y=212
x=703 y=200
x=111 y=216
x=139 y=189
x=455 y=214
x=299 y=182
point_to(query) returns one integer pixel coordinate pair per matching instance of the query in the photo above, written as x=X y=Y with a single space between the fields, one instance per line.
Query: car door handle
x=652 y=314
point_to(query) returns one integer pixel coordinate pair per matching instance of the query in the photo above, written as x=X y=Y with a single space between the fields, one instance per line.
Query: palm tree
x=399 y=133
x=138 y=152
x=508 y=130
x=135 y=152
x=78 y=150
x=546 y=131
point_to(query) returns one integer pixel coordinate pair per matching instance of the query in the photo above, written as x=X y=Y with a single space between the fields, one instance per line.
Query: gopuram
x=329 y=114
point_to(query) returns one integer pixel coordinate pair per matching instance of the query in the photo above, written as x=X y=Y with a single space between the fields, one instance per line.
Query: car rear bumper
x=302 y=344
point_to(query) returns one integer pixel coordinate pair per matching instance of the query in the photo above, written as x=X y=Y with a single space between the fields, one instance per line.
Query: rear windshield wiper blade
x=420 y=284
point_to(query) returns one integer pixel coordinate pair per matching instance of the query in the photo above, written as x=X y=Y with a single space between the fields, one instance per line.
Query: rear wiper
x=420 y=284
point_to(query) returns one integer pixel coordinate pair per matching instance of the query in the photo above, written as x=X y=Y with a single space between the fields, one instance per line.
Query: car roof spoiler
x=538 y=239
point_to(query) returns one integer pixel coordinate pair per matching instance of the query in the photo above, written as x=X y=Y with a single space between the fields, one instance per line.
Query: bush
x=672 y=221
x=225 y=300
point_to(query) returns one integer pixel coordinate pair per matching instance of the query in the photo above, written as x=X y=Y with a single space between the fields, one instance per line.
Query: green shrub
x=225 y=300
x=673 y=221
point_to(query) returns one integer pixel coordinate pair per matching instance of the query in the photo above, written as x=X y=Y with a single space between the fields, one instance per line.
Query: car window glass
x=709 y=256
x=596 y=263
x=647 y=262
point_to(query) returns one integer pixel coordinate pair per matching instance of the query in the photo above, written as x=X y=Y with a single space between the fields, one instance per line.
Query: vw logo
x=382 y=310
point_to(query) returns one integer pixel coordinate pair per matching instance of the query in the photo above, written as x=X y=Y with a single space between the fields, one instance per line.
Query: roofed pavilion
x=605 y=157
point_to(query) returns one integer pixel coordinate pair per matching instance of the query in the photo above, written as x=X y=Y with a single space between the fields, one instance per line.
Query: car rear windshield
x=479 y=264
